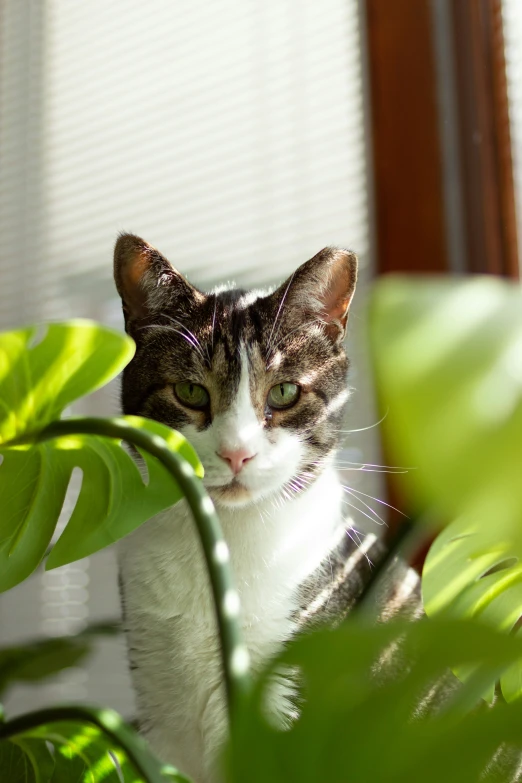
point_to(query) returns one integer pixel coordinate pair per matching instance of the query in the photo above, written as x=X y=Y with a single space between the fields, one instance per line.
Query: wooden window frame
x=410 y=75
x=444 y=194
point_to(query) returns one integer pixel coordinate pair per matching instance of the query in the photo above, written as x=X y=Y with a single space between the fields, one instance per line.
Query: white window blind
x=231 y=135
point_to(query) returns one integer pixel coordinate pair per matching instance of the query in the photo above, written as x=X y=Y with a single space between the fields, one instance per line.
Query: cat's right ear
x=147 y=283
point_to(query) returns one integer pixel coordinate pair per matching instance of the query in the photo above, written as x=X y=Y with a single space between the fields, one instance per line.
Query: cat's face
x=256 y=381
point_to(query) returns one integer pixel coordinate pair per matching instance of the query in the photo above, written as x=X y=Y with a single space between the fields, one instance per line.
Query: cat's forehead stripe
x=252 y=296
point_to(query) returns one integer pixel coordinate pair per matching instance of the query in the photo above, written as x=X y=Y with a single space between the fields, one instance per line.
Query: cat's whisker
x=214 y=322
x=366 y=505
x=186 y=337
x=358 y=542
x=366 y=469
x=279 y=500
x=377 y=500
x=279 y=309
x=372 y=465
x=261 y=517
x=358 y=534
x=363 y=429
x=193 y=339
x=357 y=538
x=183 y=326
x=288 y=493
x=372 y=519
x=302 y=481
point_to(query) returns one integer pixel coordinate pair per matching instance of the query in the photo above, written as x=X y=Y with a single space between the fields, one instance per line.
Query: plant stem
x=234 y=653
x=135 y=747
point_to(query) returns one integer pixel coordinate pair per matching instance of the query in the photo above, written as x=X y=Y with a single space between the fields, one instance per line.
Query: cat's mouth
x=233 y=492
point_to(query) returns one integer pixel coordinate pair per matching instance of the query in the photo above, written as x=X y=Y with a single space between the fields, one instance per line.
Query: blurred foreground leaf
x=365 y=715
x=449 y=365
x=39 y=377
x=448 y=358
x=43 y=658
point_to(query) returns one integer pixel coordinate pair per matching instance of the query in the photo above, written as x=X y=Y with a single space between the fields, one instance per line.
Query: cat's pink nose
x=236 y=458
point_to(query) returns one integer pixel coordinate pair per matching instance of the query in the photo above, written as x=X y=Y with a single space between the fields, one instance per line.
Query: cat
x=257 y=382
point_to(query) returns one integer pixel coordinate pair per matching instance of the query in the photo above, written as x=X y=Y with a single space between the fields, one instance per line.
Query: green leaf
x=114 y=499
x=26 y=761
x=36 y=383
x=38 y=661
x=43 y=658
x=15 y=764
x=88 y=746
x=81 y=752
x=40 y=756
x=32 y=491
x=449 y=365
x=448 y=357
x=361 y=718
x=468 y=573
x=42 y=375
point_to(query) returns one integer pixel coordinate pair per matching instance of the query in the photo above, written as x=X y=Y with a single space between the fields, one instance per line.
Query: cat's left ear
x=148 y=284
x=323 y=288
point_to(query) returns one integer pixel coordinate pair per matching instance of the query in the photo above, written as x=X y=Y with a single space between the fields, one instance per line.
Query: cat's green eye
x=192 y=394
x=283 y=395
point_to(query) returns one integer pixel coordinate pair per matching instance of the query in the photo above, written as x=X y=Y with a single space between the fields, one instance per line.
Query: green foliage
x=45 y=369
x=37 y=381
x=34 y=661
x=21 y=763
x=78 y=745
x=378 y=704
x=361 y=724
x=448 y=358
x=449 y=366
x=39 y=376
x=465 y=576
x=70 y=744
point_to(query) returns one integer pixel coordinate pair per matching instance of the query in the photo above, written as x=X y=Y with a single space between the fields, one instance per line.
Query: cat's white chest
x=170 y=616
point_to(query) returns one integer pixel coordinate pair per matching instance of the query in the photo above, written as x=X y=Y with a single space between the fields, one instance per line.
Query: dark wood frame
x=408 y=187
x=408 y=148
x=487 y=167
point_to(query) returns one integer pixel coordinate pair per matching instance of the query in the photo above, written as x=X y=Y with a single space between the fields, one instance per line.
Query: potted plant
x=447 y=361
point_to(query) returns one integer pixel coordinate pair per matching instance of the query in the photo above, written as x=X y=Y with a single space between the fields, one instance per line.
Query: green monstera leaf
x=469 y=573
x=449 y=365
x=44 y=369
x=448 y=357
x=86 y=745
x=40 y=375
